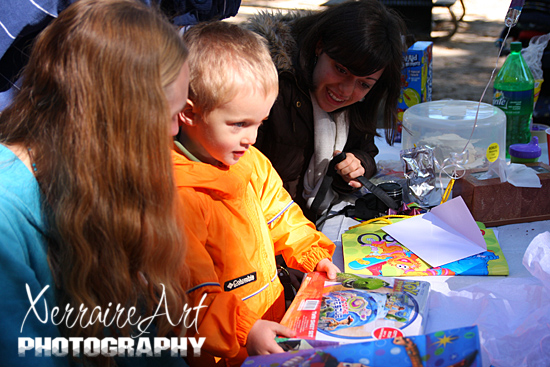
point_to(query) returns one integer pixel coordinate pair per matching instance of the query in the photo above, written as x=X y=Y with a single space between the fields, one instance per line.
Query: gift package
x=354 y=308
x=454 y=347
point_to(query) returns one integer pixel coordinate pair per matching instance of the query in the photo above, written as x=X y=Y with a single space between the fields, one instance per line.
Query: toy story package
x=369 y=250
x=449 y=348
x=416 y=80
x=355 y=308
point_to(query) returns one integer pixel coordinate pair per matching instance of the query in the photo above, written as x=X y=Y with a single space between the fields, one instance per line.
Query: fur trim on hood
x=275 y=27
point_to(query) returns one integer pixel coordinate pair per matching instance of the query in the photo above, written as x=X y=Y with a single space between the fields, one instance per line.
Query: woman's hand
x=261 y=338
x=350 y=168
x=328 y=267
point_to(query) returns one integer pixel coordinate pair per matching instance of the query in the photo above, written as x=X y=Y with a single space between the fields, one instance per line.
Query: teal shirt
x=23 y=261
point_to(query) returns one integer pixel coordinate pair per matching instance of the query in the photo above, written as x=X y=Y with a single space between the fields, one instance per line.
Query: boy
x=236 y=214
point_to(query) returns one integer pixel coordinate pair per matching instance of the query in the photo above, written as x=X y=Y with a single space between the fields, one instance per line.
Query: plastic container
x=513 y=92
x=447 y=125
x=525 y=153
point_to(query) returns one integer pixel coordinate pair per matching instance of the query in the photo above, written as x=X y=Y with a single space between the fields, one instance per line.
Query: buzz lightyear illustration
x=347 y=311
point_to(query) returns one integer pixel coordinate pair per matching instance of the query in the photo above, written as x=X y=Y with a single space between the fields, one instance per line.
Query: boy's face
x=226 y=133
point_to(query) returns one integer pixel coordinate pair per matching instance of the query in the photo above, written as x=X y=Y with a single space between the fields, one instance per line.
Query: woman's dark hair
x=364 y=36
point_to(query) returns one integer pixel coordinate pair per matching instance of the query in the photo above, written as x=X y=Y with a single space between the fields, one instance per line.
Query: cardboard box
x=498 y=203
x=416 y=79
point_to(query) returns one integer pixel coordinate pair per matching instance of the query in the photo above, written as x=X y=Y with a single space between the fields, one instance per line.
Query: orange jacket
x=236 y=220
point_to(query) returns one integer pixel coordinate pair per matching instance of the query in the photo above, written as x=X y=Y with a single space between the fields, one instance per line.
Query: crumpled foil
x=419 y=170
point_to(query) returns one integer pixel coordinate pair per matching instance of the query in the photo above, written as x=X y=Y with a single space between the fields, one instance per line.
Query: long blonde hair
x=92 y=108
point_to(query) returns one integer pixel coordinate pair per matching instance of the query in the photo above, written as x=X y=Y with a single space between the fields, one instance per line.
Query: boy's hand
x=328 y=267
x=261 y=338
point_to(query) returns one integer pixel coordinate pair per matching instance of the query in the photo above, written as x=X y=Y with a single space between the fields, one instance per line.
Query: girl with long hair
x=87 y=194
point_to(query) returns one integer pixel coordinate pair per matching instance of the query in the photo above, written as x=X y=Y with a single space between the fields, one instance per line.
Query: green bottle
x=513 y=93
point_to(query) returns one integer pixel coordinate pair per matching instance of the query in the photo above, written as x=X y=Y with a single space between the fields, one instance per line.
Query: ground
x=463 y=65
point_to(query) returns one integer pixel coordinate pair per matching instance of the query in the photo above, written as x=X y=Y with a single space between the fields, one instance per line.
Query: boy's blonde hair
x=223 y=57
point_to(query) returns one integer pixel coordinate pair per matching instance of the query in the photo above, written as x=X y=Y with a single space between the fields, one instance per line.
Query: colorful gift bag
x=369 y=250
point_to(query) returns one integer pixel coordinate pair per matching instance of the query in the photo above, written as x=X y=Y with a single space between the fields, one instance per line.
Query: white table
x=512 y=302
x=512 y=312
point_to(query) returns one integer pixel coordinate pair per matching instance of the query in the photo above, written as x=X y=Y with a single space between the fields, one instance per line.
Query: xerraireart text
x=139 y=345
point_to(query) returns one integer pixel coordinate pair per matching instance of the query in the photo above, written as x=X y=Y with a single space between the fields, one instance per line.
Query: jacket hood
x=275 y=27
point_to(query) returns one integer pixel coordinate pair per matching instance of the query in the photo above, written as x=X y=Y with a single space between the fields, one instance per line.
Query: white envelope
x=445 y=234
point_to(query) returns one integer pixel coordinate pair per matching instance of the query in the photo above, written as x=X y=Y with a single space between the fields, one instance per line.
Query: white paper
x=445 y=234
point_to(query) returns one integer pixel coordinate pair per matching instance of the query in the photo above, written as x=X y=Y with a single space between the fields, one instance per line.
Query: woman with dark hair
x=87 y=194
x=337 y=69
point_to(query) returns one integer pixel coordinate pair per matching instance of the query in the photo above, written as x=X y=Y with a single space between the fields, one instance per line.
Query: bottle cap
x=516 y=46
x=526 y=151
